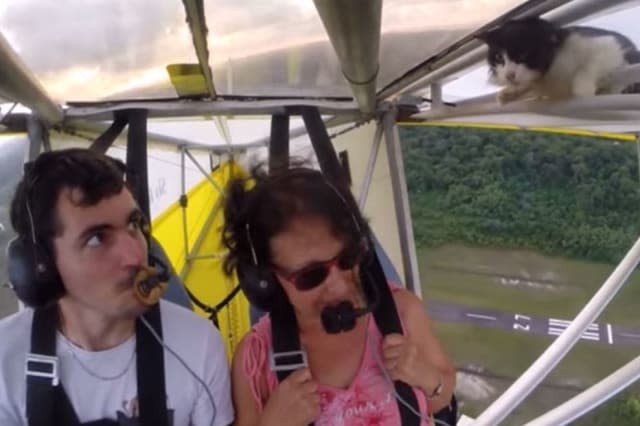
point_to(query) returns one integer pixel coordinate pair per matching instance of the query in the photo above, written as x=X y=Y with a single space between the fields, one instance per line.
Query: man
x=83 y=237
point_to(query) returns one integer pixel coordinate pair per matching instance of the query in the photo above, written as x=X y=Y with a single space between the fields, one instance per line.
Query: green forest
x=562 y=195
x=569 y=196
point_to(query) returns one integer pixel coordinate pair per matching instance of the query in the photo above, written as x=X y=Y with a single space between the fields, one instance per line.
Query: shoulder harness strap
x=48 y=403
x=387 y=319
x=46 y=399
x=286 y=340
x=152 y=395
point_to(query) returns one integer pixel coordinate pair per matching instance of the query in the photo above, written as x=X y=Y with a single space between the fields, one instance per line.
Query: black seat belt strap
x=152 y=395
x=387 y=320
x=42 y=368
x=286 y=340
x=48 y=403
x=287 y=354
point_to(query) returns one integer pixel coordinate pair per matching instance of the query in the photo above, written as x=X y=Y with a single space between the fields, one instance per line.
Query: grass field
x=472 y=276
x=8 y=302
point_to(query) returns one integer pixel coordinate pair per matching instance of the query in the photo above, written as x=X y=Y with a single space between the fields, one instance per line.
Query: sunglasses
x=313 y=275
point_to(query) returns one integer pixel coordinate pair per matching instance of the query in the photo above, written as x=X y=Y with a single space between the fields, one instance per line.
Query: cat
x=532 y=57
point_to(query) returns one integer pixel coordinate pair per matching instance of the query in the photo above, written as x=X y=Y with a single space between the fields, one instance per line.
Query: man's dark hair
x=96 y=175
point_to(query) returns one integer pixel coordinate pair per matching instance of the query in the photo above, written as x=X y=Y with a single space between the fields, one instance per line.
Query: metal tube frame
x=196 y=246
x=592 y=397
x=528 y=381
x=208 y=256
x=100 y=111
x=614 y=105
x=436 y=95
x=371 y=165
x=204 y=172
x=199 y=240
x=401 y=202
x=17 y=83
x=638 y=152
x=486 y=104
x=223 y=128
x=184 y=203
x=198 y=26
x=302 y=130
x=38 y=137
x=354 y=28
x=95 y=127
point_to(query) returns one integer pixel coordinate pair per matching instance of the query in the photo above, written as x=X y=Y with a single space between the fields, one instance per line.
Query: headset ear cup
x=261 y=287
x=32 y=273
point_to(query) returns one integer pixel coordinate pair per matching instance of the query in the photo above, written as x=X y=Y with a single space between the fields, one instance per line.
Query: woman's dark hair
x=96 y=175
x=263 y=205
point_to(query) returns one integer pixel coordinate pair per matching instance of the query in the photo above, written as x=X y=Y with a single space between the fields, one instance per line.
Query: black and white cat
x=532 y=57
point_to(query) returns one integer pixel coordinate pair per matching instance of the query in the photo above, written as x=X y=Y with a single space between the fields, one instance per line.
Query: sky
x=84 y=50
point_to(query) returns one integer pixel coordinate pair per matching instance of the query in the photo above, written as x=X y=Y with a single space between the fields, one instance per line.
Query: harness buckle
x=287 y=361
x=42 y=367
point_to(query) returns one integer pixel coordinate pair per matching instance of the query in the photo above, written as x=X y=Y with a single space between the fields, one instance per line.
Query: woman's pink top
x=369 y=400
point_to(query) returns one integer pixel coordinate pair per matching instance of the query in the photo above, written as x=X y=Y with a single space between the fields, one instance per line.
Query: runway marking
x=479 y=316
x=585 y=336
x=558 y=326
x=633 y=336
x=603 y=333
x=518 y=325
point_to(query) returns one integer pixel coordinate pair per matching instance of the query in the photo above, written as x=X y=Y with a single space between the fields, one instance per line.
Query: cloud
x=88 y=50
x=52 y=35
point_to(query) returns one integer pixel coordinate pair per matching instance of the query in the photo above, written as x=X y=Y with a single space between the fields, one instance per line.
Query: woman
x=298 y=240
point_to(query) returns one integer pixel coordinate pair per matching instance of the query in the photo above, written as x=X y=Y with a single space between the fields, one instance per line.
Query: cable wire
x=184 y=364
x=422 y=417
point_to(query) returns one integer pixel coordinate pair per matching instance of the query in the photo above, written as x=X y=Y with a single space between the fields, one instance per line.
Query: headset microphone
x=151 y=282
x=341 y=317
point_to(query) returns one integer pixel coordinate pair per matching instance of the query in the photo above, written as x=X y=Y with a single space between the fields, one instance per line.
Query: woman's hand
x=295 y=402
x=404 y=361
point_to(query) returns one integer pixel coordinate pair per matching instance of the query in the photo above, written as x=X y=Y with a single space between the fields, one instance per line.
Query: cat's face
x=511 y=68
x=521 y=51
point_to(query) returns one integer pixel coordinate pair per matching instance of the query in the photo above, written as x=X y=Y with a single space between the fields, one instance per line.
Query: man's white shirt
x=102 y=385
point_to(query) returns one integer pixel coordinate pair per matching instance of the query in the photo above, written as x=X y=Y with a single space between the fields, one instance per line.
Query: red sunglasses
x=313 y=275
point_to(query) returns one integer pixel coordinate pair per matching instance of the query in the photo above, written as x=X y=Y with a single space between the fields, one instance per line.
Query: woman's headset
x=262 y=289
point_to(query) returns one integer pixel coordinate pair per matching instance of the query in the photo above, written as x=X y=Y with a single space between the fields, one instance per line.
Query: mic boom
x=150 y=283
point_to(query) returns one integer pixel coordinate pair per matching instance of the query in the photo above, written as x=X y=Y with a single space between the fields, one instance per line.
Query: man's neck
x=91 y=330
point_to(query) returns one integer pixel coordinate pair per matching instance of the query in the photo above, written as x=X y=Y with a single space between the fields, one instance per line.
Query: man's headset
x=263 y=290
x=34 y=276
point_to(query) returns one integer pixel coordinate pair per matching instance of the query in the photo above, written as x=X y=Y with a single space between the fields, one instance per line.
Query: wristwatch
x=437 y=391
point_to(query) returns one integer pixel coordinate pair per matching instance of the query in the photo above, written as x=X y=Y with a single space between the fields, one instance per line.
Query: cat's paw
x=507 y=95
x=584 y=87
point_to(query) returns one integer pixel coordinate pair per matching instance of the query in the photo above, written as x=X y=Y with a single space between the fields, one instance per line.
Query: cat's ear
x=489 y=36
